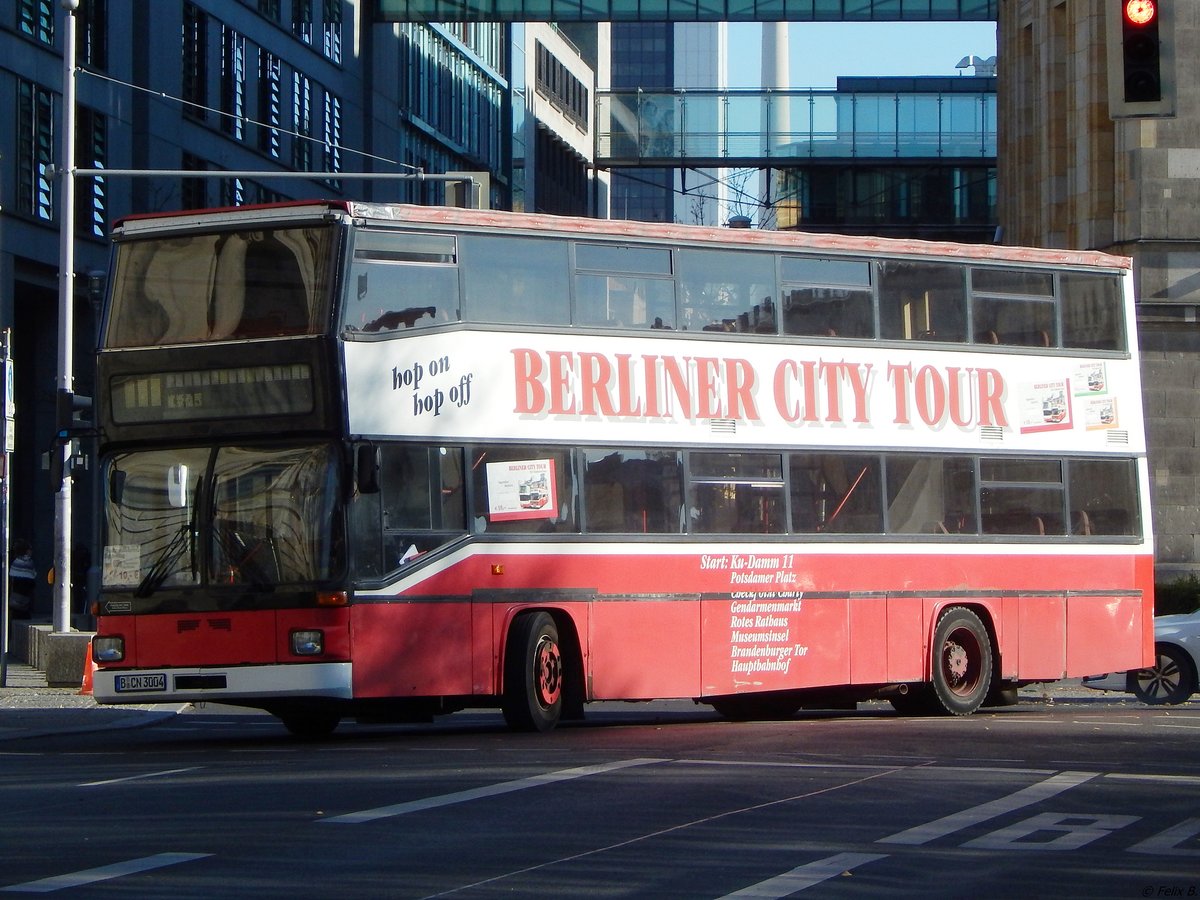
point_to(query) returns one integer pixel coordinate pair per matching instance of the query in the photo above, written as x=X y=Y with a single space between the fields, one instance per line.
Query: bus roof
x=533 y=223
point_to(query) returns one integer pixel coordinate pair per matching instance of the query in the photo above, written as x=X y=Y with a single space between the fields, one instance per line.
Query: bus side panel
x=1042 y=635
x=487 y=645
x=906 y=634
x=746 y=651
x=1098 y=625
x=642 y=649
x=414 y=649
x=1008 y=637
x=869 y=628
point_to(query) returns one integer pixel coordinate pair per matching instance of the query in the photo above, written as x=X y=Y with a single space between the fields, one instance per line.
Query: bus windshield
x=219 y=286
x=226 y=516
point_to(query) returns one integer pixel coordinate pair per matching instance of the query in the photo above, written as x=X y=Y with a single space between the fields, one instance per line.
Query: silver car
x=1172 y=678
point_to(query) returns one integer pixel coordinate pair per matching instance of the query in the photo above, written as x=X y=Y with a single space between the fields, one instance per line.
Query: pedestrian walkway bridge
x=686 y=10
x=944 y=120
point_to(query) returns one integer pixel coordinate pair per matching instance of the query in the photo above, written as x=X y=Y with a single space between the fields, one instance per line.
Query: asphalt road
x=1087 y=797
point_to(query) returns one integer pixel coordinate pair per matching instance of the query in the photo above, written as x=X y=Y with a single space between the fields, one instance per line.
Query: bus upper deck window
x=1092 y=315
x=209 y=287
x=922 y=301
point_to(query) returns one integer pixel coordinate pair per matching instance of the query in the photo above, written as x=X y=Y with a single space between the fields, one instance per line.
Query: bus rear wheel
x=961 y=663
x=533 y=674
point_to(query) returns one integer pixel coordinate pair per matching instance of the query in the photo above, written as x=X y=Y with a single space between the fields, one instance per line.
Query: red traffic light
x=1140 y=12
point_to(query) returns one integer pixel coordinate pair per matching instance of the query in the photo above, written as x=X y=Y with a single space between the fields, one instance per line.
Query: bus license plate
x=127 y=684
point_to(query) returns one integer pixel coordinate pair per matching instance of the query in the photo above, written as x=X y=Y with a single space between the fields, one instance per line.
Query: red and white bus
x=388 y=462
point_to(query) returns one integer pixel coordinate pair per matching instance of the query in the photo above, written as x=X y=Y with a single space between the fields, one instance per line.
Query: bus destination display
x=243 y=391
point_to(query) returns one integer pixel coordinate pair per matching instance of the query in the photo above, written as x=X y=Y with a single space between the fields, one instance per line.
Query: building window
x=333 y=135
x=332 y=25
x=302 y=20
x=269 y=9
x=233 y=192
x=555 y=82
x=302 y=121
x=91 y=152
x=35 y=150
x=195 y=62
x=92 y=48
x=36 y=19
x=233 y=83
x=270 y=104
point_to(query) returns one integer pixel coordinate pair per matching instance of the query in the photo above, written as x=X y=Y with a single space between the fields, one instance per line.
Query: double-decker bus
x=388 y=462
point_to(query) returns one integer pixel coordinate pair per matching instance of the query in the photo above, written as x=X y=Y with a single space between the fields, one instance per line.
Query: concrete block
x=27 y=641
x=65 y=654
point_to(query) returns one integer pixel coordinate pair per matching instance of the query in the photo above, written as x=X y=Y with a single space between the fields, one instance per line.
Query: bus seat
x=1082 y=523
x=1052 y=523
x=1016 y=522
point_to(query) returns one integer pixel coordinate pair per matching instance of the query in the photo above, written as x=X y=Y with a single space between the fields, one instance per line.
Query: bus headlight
x=108 y=648
x=308 y=643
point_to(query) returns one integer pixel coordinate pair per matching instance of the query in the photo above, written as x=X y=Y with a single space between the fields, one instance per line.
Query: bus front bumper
x=224 y=683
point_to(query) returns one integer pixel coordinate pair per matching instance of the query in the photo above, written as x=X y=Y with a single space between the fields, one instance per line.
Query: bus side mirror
x=366 y=469
x=177 y=485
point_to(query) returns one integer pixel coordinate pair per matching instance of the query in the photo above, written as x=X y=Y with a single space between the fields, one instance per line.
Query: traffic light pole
x=66 y=323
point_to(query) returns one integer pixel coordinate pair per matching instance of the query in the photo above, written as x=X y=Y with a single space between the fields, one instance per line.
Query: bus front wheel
x=533 y=674
x=961 y=663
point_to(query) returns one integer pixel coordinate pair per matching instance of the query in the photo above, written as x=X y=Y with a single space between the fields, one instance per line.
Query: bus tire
x=311 y=725
x=533 y=674
x=961 y=663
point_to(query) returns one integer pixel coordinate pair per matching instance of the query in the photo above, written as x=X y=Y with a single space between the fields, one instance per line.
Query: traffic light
x=1141 y=58
x=1141 y=51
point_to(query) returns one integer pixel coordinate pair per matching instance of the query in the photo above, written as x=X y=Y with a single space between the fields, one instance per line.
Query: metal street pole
x=66 y=324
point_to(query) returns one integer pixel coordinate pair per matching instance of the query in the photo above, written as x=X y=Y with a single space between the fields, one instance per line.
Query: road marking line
x=1035 y=793
x=891 y=768
x=1170 y=779
x=492 y=790
x=671 y=829
x=776 y=764
x=139 y=777
x=102 y=873
x=805 y=876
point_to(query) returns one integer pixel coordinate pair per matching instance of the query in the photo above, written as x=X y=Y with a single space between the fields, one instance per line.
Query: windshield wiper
x=165 y=564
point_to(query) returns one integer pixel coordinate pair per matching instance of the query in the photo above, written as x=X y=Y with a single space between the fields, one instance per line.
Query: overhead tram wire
x=246 y=120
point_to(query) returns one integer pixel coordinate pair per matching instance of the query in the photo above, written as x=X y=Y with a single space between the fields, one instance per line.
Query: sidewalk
x=30 y=709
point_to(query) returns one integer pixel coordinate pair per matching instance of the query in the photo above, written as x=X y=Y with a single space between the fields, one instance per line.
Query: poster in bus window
x=1045 y=406
x=1100 y=412
x=122 y=564
x=522 y=489
x=1090 y=379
